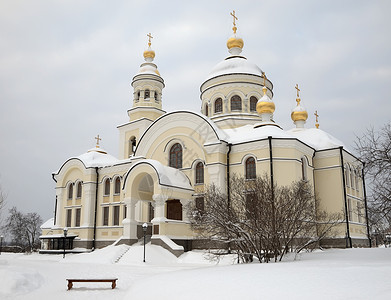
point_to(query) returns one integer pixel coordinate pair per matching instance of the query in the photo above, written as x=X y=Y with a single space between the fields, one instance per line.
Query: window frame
x=250 y=168
x=79 y=190
x=253 y=100
x=199 y=173
x=106 y=187
x=69 y=218
x=116 y=210
x=70 y=191
x=77 y=217
x=117 y=184
x=105 y=215
x=236 y=103
x=218 y=106
x=176 y=156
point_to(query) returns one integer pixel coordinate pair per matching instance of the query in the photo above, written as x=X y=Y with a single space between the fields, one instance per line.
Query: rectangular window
x=69 y=217
x=116 y=215
x=200 y=205
x=174 y=210
x=77 y=217
x=105 y=216
x=124 y=211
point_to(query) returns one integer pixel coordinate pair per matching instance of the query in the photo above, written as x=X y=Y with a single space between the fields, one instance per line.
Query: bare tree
x=374 y=149
x=24 y=229
x=3 y=196
x=261 y=220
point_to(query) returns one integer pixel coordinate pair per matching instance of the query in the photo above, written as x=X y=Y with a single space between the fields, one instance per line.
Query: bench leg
x=113 y=284
x=70 y=285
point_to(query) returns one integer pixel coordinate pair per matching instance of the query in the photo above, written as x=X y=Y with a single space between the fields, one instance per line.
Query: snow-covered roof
x=95 y=158
x=167 y=176
x=234 y=65
x=48 y=224
x=316 y=138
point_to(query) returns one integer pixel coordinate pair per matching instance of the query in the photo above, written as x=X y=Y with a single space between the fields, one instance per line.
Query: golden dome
x=149 y=53
x=266 y=107
x=235 y=42
x=299 y=115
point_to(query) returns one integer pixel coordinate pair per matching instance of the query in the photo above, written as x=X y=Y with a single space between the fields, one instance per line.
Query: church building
x=166 y=159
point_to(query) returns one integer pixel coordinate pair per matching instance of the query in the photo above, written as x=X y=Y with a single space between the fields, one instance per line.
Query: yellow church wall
x=175 y=229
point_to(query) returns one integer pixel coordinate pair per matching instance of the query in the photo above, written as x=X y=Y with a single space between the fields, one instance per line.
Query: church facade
x=167 y=159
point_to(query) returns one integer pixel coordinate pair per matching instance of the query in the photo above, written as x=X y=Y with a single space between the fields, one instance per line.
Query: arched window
x=117 y=186
x=199 y=173
x=70 y=191
x=303 y=168
x=357 y=180
x=138 y=96
x=155 y=96
x=253 y=103
x=236 y=103
x=78 y=190
x=146 y=94
x=176 y=156
x=218 y=105
x=206 y=110
x=250 y=168
x=107 y=187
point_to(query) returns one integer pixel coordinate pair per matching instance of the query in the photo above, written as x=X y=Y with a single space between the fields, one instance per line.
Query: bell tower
x=147 y=87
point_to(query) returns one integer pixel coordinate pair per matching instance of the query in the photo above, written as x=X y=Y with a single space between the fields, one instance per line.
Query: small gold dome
x=301 y=115
x=149 y=53
x=235 y=42
x=266 y=107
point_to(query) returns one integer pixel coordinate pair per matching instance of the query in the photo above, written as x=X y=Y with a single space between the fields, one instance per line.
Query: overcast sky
x=66 y=66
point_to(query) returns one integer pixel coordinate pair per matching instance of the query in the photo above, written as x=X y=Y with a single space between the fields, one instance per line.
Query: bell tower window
x=218 y=105
x=206 y=110
x=147 y=94
x=253 y=103
x=236 y=103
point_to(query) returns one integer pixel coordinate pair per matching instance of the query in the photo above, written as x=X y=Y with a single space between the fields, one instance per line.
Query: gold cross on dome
x=298 y=90
x=149 y=39
x=264 y=78
x=97 y=141
x=316 y=115
x=234 y=21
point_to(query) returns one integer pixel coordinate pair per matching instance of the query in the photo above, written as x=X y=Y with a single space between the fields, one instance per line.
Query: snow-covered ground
x=330 y=274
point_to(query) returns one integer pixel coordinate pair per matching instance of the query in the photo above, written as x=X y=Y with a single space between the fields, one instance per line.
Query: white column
x=88 y=204
x=160 y=201
x=130 y=223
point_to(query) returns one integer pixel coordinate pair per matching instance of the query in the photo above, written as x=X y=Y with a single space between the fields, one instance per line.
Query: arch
x=199 y=173
x=79 y=189
x=176 y=155
x=236 y=103
x=117 y=185
x=253 y=104
x=218 y=105
x=106 y=187
x=250 y=168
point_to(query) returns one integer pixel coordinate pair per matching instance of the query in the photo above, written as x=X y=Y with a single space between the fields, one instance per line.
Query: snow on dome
x=316 y=138
x=97 y=157
x=235 y=65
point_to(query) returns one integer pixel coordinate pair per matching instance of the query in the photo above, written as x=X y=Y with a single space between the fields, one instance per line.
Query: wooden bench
x=112 y=280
